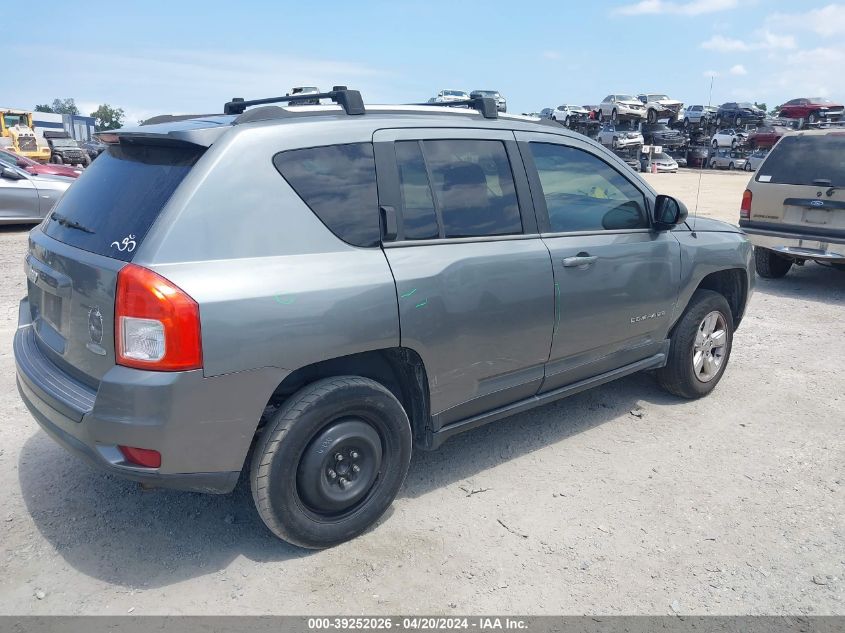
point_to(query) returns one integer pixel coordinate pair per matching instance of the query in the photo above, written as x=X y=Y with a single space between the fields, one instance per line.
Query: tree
x=43 y=107
x=107 y=117
x=762 y=106
x=65 y=106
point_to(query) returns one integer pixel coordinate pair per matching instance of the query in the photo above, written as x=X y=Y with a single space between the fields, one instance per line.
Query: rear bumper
x=203 y=427
x=820 y=248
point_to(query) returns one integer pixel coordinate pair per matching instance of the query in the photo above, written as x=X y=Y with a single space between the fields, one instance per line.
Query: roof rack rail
x=349 y=100
x=485 y=105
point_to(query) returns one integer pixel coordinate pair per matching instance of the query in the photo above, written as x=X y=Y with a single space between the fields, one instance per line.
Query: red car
x=813 y=109
x=10 y=158
x=765 y=137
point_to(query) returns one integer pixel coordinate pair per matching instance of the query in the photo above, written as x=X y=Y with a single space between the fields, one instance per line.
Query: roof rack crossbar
x=349 y=100
x=485 y=105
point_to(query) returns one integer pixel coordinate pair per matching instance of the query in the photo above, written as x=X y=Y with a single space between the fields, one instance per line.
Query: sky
x=189 y=57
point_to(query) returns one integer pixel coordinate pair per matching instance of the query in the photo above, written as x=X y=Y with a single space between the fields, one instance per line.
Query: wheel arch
x=731 y=283
x=400 y=369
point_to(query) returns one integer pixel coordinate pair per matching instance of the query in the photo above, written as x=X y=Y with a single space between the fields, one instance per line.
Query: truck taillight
x=157 y=325
x=745 y=208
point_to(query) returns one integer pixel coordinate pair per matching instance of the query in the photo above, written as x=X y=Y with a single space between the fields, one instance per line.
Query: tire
x=715 y=144
x=56 y=159
x=86 y=160
x=747 y=166
x=651 y=116
x=730 y=166
x=614 y=116
x=738 y=121
x=769 y=264
x=698 y=353
x=813 y=117
x=733 y=144
x=297 y=483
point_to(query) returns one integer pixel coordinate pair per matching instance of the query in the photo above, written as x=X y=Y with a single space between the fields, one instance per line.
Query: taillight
x=141 y=456
x=745 y=208
x=157 y=325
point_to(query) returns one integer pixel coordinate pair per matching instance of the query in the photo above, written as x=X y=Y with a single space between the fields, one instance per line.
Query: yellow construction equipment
x=16 y=134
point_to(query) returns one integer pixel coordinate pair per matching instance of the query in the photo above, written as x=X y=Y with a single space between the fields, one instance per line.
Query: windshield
x=657 y=97
x=487 y=93
x=14 y=119
x=820 y=100
x=63 y=142
x=453 y=93
x=119 y=197
x=625 y=98
x=746 y=105
x=799 y=160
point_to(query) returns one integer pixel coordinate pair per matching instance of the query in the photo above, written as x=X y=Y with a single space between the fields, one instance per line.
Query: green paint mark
x=285 y=300
x=408 y=294
x=420 y=305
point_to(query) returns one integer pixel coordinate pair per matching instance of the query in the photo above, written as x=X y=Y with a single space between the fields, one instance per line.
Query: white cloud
x=828 y=21
x=739 y=69
x=551 y=55
x=693 y=7
x=763 y=40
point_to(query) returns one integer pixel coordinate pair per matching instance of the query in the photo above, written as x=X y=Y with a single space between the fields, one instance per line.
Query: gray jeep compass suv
x=325 y=287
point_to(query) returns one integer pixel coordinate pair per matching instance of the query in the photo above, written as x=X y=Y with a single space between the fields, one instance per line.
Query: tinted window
x=798 y=160
x=473 y=186
x=420 y=218
x=119 y=197
x=338 y=183
x=583 y=193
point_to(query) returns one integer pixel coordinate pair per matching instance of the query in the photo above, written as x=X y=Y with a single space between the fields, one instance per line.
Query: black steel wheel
x=330 y=461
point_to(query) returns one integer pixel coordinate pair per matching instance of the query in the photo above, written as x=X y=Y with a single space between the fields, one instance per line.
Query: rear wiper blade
x=71 y=224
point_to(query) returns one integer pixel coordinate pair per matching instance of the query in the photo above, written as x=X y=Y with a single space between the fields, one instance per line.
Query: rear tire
x=769 y=264
x=699 y=353
x=304 y=492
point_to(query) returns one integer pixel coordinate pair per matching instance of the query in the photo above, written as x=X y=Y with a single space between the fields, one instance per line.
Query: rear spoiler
x=201 y=130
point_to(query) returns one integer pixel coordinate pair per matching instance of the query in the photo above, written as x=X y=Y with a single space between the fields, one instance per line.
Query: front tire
x=651 y=117
x=730 y=166
x=700 y=347
x=813 y=117
x=330 y=461
x=56 y=159
x=769 y=264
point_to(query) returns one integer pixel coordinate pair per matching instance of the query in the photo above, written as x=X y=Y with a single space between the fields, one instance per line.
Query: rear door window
x=112 y=206
x=338 y=183
x=473 y=187
x=799 y=160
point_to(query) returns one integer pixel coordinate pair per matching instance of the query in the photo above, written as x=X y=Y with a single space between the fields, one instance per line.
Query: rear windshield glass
x=799 y=160
x=110 y=208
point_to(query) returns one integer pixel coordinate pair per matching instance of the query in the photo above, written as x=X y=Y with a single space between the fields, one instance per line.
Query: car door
x=18 y=198
x=473 y=278
x=616 y=279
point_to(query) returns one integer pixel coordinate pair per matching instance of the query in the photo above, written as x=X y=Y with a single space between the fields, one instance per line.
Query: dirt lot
x=618 y=500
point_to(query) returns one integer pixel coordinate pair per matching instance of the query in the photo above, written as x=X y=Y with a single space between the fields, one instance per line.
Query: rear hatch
x=801 y=184
x=75 y=255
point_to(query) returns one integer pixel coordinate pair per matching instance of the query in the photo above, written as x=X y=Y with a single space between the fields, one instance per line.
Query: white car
x=446 y=96
x=699 y=114
x=566 y=113
x=664 y=163
x=756 y=159
x=728 y=137
x=658 y=106
x=619 y=136
x=616 y=107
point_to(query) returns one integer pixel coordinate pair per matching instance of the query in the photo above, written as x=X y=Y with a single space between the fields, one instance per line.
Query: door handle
x=582 y=259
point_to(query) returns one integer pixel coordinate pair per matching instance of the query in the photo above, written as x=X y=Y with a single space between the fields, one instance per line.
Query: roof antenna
x=704 y=163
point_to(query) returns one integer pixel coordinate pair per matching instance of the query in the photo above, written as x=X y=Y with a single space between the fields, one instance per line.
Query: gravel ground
x=619 y=500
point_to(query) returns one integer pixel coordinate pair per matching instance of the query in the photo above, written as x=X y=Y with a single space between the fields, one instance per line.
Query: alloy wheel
x=709 y=347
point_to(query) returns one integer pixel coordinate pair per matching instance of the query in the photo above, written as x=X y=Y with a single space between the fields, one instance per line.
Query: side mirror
x=10 y=174
x=668 y=212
